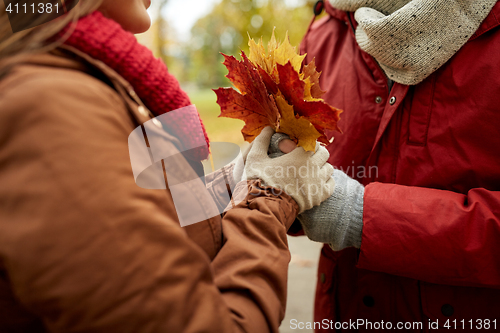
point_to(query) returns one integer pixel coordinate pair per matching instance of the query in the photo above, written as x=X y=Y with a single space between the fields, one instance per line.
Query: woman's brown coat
x=84 y=249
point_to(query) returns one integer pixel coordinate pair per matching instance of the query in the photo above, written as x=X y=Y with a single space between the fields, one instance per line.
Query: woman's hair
x=40 y=38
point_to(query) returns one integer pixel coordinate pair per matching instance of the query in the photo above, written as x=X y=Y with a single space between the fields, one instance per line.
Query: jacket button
x=318 y=8
x=447 y=310
x=322 y=277
x=378 y=99
x=157 y=123
x=142 y=110
x=392 y=100
x=368 y=301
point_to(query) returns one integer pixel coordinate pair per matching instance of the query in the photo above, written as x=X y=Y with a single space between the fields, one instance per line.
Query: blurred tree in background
x=227 y=27
x=197 y=62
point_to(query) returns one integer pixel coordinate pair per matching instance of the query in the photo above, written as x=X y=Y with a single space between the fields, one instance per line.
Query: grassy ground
x=218 y=129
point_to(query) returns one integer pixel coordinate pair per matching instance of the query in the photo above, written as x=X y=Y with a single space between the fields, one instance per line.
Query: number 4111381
x=480 y=324
x=41 y=8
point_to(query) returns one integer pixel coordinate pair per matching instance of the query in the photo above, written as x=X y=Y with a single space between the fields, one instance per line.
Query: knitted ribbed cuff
x=338 y=221
x=352 y=214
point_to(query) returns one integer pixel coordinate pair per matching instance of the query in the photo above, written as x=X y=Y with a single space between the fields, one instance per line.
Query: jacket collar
x=94 y=65
x=336 y=13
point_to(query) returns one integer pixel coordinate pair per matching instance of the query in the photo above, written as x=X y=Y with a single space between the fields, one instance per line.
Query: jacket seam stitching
x=423 y=143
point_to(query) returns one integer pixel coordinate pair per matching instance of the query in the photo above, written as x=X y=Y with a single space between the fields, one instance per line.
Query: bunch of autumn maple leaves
x=276 y=90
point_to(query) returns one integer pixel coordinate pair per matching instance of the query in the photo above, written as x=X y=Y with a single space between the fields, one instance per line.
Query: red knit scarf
x=105 y=40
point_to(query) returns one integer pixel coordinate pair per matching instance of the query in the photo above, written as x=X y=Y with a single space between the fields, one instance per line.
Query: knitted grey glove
x=338 y=221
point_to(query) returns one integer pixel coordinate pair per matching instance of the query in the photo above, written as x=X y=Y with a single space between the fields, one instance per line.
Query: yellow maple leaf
x=299 y=129
x=285 y=52
x=277 y=53
x=258 y=55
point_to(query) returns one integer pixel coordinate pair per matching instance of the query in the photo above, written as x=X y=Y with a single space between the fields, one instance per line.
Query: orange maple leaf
x=311 y=79
x=320 y=114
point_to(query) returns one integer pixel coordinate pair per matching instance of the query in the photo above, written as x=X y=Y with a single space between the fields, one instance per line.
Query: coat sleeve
x=432 y=235
x=220 y=184
x=87 y=250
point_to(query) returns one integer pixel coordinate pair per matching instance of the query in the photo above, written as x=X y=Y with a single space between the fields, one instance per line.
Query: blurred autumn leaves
x=197 y=61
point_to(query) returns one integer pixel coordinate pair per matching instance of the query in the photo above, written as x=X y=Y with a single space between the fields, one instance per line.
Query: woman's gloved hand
x=239 y=165
x=305 y=176
x=338 y=221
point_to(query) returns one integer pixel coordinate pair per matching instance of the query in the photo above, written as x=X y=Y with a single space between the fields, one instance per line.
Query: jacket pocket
x=466 y=309
x=419 y=106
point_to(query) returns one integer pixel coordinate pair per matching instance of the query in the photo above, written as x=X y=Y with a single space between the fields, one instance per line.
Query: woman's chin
x=137 y=26
x=143 y=26
x=132 y=17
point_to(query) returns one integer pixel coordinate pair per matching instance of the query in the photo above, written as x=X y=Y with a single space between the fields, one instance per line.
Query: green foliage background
x=227 y=29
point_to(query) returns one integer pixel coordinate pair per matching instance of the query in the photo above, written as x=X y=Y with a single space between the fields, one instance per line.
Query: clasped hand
x=305 y=176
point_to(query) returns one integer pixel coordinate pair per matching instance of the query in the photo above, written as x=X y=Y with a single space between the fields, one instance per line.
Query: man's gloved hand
x=305 y=176
x=338 y=221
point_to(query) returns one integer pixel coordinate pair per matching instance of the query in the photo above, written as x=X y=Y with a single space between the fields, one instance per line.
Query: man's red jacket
x=429 y=156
